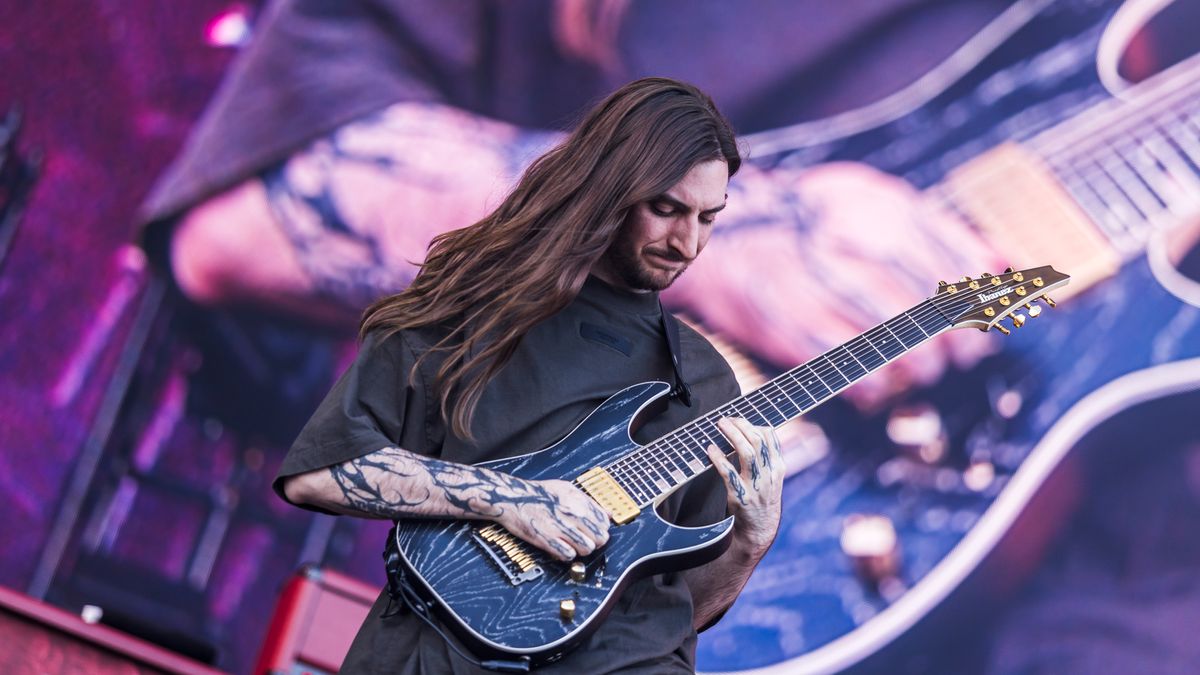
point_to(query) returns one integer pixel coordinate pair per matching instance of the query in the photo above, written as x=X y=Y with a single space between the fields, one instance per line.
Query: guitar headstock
x=983 y=301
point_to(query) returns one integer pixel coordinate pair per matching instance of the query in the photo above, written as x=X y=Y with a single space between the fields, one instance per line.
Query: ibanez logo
x=988 y=297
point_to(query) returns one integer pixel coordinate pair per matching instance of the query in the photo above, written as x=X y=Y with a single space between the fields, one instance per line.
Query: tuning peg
x=1046 y=299
x=1034 y=311
x=966 y=278
x=942 y=284
x=1003 y=330
x=1018 y=319
x=985 y=275
x=1008 y=270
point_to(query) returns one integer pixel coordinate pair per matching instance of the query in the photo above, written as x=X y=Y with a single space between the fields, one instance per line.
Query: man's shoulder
x=702 y=347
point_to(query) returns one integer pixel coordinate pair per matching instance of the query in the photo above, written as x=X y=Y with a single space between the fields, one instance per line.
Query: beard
x=631 y=267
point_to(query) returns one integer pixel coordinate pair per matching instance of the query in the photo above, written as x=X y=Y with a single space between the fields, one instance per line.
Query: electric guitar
x=505 y=599
x=961 y=481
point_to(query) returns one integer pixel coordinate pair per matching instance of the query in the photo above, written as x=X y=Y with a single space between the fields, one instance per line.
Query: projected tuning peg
x=1046 y=299
x=1035 y=311
x=1018 y=319
x=1003 y=330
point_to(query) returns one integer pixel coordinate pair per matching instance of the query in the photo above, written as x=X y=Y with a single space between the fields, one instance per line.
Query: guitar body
x=473 y=595
x=1130 y=340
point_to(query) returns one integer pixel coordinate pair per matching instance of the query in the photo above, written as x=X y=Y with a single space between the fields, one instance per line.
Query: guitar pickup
x=508 y=552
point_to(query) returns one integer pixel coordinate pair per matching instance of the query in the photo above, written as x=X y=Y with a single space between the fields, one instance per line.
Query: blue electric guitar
x=504 y=598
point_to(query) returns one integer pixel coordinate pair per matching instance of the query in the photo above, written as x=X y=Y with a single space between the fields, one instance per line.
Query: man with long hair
x=514 y=329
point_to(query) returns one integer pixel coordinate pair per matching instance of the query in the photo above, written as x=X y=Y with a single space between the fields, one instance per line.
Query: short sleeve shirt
x=564 y=368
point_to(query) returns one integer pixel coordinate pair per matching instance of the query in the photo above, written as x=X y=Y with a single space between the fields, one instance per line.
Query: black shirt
x=564 y=367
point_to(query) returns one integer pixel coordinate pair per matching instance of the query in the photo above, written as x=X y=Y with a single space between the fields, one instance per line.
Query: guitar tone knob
x=566 y=610
x=578 y=571
x=871 y=544
x=919 y=432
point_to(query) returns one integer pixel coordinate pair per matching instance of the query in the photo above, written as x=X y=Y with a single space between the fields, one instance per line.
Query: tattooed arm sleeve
x=394 y=483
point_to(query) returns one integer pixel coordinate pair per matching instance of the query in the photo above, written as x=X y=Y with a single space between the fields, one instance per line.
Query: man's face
x=663 y=235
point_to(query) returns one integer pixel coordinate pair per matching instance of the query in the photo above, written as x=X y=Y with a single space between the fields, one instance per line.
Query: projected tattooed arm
x=553 y=515
x=347 y=219
x=801 y=260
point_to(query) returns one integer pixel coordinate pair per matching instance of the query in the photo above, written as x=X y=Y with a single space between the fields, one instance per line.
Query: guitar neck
x=660 y=467
x=1093 y=188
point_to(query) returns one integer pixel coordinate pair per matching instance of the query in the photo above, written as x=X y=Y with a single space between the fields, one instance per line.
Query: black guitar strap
x=671 y=328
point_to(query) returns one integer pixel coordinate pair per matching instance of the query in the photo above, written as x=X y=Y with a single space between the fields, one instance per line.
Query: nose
x=686 y=237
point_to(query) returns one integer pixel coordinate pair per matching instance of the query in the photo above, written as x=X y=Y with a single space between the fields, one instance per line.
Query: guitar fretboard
x=1133 y=163
x=661 y=466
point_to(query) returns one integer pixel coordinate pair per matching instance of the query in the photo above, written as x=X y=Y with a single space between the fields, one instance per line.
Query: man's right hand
x=556 y=517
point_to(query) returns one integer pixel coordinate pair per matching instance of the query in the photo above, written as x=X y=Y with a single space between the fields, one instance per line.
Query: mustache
x=669 y=254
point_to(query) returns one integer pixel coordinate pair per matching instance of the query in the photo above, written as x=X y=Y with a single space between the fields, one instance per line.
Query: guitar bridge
x=508 y=552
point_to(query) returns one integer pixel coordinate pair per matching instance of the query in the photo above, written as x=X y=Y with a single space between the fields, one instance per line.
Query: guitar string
x=626 y=469
x=1052 y=148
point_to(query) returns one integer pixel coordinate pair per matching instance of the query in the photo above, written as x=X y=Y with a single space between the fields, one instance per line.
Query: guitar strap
x=671 y=328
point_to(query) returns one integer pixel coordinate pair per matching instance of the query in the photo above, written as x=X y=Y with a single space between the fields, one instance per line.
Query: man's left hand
x=754 y=490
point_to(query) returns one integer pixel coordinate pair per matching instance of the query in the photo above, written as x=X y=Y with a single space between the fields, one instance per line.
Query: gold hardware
x=1018 y=319
x=513 y=549
x=1046 y=299
x=1005 y=301
x=602 y=487
x=578 y=571
x=871 y=544
x=1038 y=282
x=965 y=278
x=974 y=285
x=988 y=311
x=1020 y=290
x=1002 y=329
x=1018 y=277
x=952 y=288
x=942 y=284
x=1034 y=311
x=566 y=609
x=995 y=281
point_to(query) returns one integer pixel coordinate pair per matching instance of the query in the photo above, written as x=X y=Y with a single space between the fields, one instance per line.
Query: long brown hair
x=491 y=282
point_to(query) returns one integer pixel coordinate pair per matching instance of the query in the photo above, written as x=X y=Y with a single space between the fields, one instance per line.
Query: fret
x=778 y=418
x=637 y=478
x=930 y=319
x=658 y=471
x=1115 y=201
x=1116 y=166
x=761 y=416
x=676 y=467
x=828 y=373
x=1178 y=187
x=1087 y=198
x=782 y=402
x=685 y=455
x=902 y=331
x=866 y=353
x=1166 y=154
x=813 y=384
x=846 y=364
x=1184 y=140
x=885 y=342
